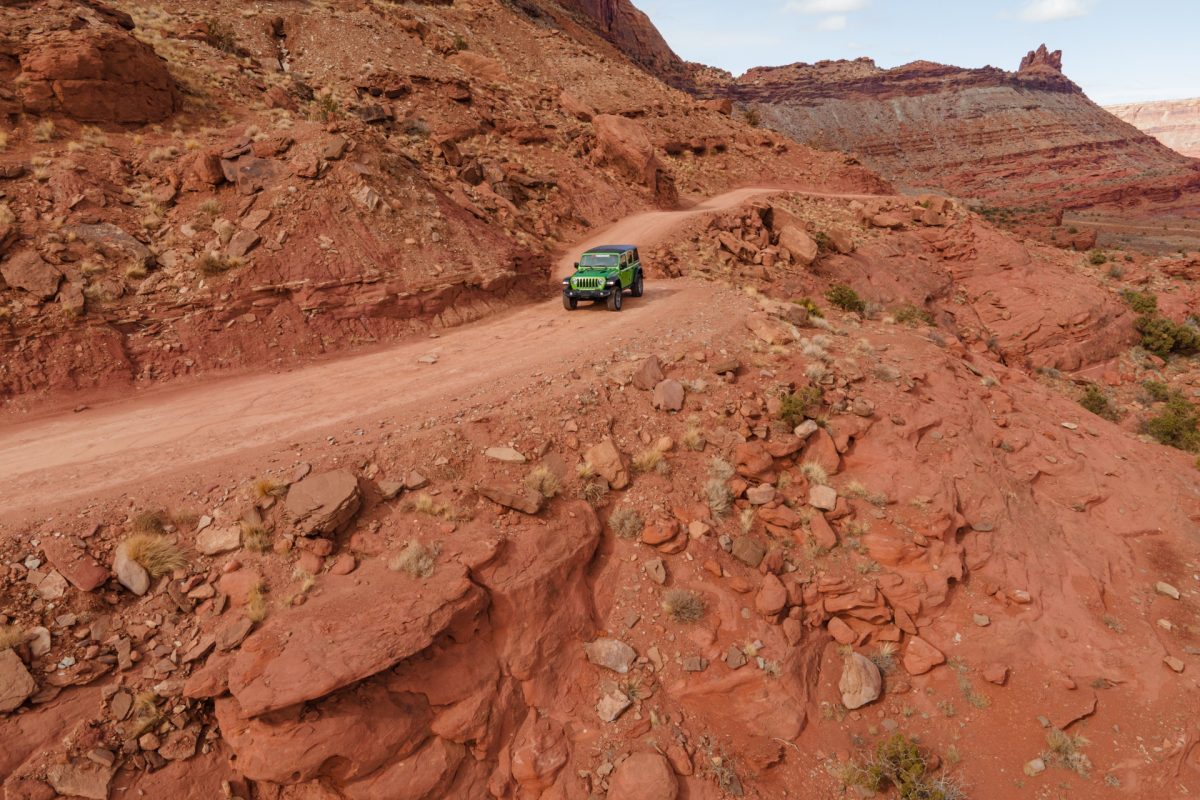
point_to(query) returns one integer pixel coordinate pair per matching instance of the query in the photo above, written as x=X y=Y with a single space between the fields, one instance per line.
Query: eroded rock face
x=96 y=74
x=16 y=684
x=633 y=32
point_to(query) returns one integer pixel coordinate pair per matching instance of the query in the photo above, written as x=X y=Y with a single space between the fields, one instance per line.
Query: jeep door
x=626 y=269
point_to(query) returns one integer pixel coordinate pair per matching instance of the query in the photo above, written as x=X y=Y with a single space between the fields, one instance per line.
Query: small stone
x=995 y=673
x=429 y=358
x=841 y=632
x=761 y=495
x=121 y=704
x=748 y=550
x=506 y=454
x=39 y=641
x=656 y=570
x=649 y=374
x=518 y=498
x=1174 y=663
x=130 y=574
x=80 y=779
x=695 y=664
x=53 y=586
x=982 y=620
x=1035 y=767
x=668 y=395
x=806 y=429
x=823 y=497
x=1166 y=589
x=610 y=653
x=214 y=540
x=179 y=745
x=735 y=658
x=921 y=656
x=612 y=705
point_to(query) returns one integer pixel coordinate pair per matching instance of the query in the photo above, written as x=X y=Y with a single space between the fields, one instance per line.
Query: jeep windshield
x=602 y=260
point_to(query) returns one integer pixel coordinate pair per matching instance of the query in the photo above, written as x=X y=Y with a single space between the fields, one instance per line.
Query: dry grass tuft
x=256 y=538
x=648 y=460
x=157 y=554
x=1066 y=750
x=626 y=522
x=43 y=131
x=256 y=603
x=149 y=522
x=145 y=714
x=7 y=217
x=265 y=487
x=693 y=438
x=683 y=606
x=416 y=559
x=425 y=503
x=815 y=473
x=544 y=481
x=593 y=492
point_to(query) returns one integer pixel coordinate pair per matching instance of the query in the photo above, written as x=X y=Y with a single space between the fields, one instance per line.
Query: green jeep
x=604 y=273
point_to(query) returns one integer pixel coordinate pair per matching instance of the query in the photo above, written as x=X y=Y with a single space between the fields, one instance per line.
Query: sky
x=1117 y=50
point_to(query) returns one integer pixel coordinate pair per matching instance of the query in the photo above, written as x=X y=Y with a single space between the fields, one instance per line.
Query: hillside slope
x=211 y=187
x=1175 y=123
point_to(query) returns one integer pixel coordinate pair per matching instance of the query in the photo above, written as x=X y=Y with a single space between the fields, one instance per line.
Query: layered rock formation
x=1175 y=123
x=1027 y=138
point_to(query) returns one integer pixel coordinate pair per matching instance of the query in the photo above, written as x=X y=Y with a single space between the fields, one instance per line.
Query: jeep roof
x=612 y=248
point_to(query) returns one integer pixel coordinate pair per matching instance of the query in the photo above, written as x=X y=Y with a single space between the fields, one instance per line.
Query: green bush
x=1163 y=337
x=899 y=762
x=1096 y=258
x=809 y=305
x=1158 y=391
x=1140 y=302
x=1098 y=403
x=845 y=298
x=912 y=315
x=1176 y=426
x=794 y=406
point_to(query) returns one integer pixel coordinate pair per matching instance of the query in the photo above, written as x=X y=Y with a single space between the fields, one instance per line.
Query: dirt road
x=68 y=457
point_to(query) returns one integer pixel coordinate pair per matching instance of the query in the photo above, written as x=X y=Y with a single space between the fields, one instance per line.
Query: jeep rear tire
x=637 y=288
x=614 y=300
x=570 y=303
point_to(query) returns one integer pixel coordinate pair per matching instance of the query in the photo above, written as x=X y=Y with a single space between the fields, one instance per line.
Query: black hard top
x=613 y=248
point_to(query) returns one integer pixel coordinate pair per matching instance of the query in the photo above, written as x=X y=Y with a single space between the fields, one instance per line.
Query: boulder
x=644 y=776
x=323 y=503
x=75 y=564
x=769 y=330
x=668 y=395
x=823 y=497
x=606 y=460
x=890 y=221
x=16 y=684
x=287 y=661
x=840 y=240
x=649 y=374
x=749 y=551
x=860 y=682
x=518 y=498
x=242 y=243
x=921 y=656
x=97 y=74
x=841 y=632
x=30 y=272
x=610 y=653
x=612 y=705
x=772 y=596
x=797 y=242
x=623 y=143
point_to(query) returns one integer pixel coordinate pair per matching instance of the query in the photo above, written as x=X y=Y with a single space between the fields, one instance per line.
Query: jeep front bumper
x=588 y=294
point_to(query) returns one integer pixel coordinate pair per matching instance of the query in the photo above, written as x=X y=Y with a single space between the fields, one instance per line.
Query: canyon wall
x=1175 y=123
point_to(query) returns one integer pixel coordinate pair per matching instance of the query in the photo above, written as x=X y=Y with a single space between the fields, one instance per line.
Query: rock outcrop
x=631 y=31
x=1175 y=123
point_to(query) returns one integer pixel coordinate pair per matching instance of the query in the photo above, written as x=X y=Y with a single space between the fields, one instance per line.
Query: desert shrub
x=716 y=490
x=625 y=522
x=544 y=481
x=898 y=762
x=1163 y=337
x=815 y=473
x=149 y=522
x=683 y=606
x=220 y=36
x=794 y=407
x=809 y=305
x=1066 y=751
x=1157 y=391
x=913 y=315
x=256 y=603
x=593 y=491
x=415 y=559
x=1096 y=258
x=693 y=438
x=213 y=263
x=845 y=298
x=1097 y=402
x=264 y=488
x=1176 y=425
x=157 y=554
x=752 y=117
x=43 y=131
x=1140 y=302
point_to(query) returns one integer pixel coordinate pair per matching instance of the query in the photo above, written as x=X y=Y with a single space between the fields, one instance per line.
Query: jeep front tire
x=570 y=303
x=614 y=300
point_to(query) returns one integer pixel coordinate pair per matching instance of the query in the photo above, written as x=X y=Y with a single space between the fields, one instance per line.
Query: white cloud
x=834 y=23
x=1050 y=10
x=825 y=6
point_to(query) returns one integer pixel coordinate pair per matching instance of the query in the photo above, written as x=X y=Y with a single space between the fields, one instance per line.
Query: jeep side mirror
x=576 y=265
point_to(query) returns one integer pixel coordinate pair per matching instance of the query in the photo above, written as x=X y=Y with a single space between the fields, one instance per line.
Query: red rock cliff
x=1009 y=137
x=633 y=32
x=1175 y=123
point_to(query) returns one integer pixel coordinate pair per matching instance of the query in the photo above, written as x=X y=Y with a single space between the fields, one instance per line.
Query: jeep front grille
x=587 y=284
